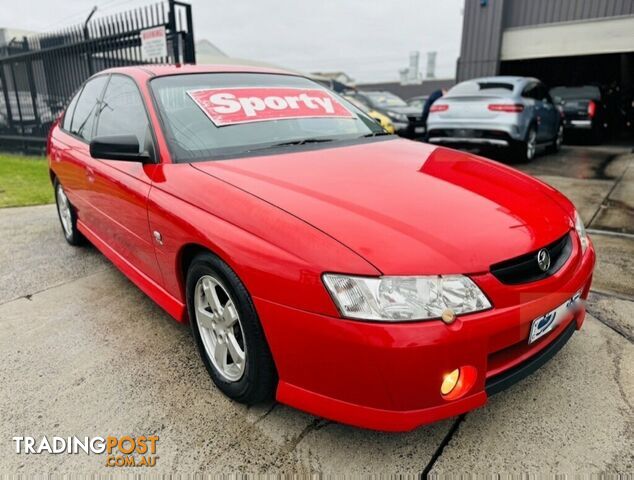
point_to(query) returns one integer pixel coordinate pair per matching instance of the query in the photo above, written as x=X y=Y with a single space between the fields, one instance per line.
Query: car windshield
x=252 y=112
x=357 y=103
x=588 y=92
x=384 y=99
x=417 y=103
x=476 y=87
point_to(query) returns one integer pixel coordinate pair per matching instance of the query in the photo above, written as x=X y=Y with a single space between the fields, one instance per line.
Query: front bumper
x=388 y=376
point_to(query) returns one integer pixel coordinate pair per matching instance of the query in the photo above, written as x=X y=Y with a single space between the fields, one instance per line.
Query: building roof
x=409 y=91
x=205 y=48
x=7 y=34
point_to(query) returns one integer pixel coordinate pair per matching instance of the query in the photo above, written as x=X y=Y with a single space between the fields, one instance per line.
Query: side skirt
x=148 y=286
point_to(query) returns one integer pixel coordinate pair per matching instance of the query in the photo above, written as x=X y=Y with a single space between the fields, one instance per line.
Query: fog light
x=450 y=381
x=458 y=383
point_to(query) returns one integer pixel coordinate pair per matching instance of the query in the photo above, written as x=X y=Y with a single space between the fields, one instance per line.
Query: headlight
x=396 y=299
x=399 y=117
x=581 y=231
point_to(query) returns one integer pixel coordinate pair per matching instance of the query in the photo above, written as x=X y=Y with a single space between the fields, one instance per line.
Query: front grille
x=524 y=269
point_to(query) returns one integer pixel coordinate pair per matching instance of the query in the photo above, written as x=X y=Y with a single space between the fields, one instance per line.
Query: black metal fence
x=39 y=74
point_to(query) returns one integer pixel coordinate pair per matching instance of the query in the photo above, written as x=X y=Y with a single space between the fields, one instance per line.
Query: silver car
x=515 y=113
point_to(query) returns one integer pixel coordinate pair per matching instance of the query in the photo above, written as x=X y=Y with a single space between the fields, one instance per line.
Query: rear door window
x=68 y=116
x=530 y=91
x=84 y=114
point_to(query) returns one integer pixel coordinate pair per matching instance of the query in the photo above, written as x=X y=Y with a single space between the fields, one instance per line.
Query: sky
x=368 y=39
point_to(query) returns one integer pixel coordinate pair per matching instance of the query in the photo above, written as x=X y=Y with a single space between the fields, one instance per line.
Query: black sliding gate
x=39 y=74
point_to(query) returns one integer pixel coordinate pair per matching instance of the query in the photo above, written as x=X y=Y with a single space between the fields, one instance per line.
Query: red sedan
x=361 y=277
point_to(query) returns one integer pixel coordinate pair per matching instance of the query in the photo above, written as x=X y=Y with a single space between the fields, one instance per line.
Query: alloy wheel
x=531 y=144
x=560 y=138
x=220 y=329
x=65 y=215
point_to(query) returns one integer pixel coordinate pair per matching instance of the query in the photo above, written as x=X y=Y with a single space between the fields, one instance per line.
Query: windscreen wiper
x=375 y=134
x=303 y=141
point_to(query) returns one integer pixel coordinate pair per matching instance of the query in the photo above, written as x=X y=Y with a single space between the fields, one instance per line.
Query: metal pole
x=17 y=98
x=5 y=92
x=91 y=67
x=28 y=67
x=190 y=45
x=173 y=30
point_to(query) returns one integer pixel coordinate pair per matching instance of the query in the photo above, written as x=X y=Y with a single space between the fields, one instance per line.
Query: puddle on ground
x=573 y=161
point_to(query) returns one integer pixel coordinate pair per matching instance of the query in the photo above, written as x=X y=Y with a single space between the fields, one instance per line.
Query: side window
x=86 y=107
x=530 y=91
x=542 y=92
x=122 y=111
x=68 y=115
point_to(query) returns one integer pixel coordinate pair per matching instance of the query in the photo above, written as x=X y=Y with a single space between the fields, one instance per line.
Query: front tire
x=228 y=332
x=67 y=216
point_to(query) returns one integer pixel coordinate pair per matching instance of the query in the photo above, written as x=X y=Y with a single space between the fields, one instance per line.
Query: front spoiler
x=504 y=380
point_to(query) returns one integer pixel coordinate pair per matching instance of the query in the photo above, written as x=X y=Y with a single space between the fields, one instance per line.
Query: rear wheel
x=558 y=141
x=228 y=333
x=67 y=216
x=524 y=151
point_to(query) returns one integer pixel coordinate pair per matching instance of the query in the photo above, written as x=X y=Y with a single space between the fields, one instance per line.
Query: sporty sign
x=228 y=106
x=318 y=260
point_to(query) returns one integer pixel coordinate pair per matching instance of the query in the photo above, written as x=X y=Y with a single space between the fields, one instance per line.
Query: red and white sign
x=230 y=106
x=153 y=43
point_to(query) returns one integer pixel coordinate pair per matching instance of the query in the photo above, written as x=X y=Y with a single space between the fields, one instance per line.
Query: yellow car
x=382 y=120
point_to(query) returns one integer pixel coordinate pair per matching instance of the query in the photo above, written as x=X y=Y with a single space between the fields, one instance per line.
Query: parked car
x=515 y=113
x=407 y=120
x=352 y=274
x=381 y=119
x=583 y=110
x=418 y=102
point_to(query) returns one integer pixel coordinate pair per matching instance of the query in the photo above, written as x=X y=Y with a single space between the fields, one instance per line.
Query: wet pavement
x=87 y=353
x=591 y=176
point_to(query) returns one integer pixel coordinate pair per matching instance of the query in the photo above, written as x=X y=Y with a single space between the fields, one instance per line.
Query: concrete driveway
x=85 y=353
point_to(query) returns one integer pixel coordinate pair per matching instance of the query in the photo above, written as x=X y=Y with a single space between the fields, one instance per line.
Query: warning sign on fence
x=153 y=43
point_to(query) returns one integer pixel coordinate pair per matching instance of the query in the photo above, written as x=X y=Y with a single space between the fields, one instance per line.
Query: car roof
x=380 y=92
x=503 y=78
x=158 y=70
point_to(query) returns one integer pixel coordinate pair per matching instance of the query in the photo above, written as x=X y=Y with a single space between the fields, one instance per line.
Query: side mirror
x=118 y=147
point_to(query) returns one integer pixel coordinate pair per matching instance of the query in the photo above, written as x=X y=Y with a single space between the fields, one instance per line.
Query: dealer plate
x=545 y=324
x=419 y=130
